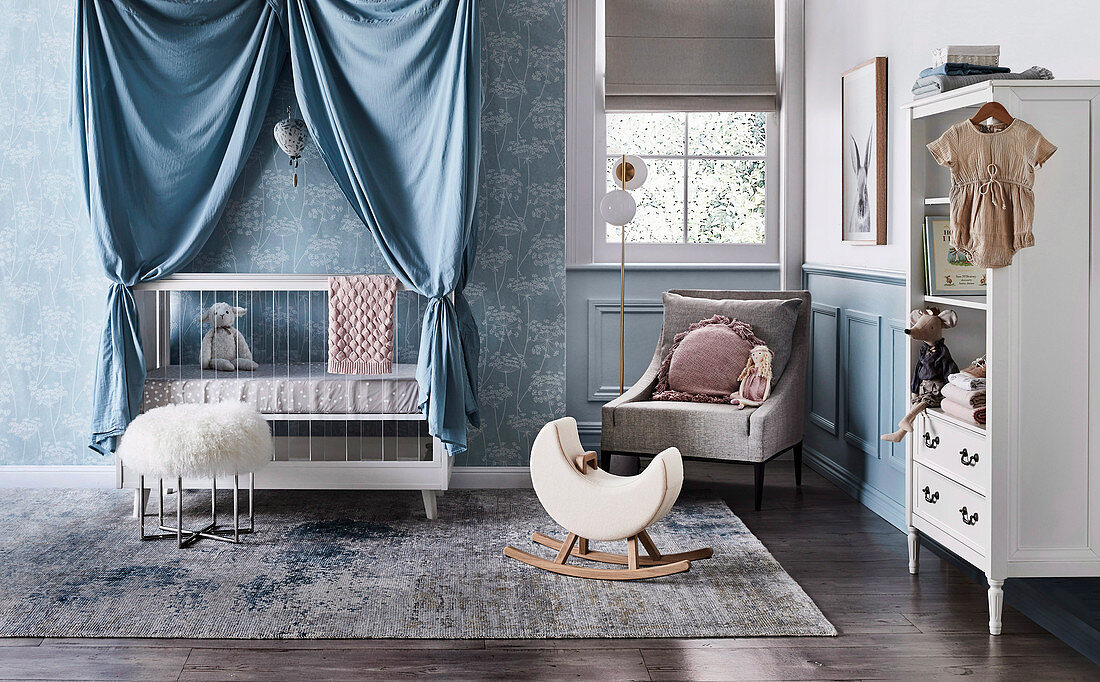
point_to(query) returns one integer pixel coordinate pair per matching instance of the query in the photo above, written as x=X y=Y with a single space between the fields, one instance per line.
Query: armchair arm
x=781 y=419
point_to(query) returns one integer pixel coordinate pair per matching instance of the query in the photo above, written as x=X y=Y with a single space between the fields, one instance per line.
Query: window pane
x=656 y=133
x=660 y=216
x=738 y=133
x=726 y=202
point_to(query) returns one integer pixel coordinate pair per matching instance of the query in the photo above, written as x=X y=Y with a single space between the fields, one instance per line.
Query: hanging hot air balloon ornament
x=290 y=134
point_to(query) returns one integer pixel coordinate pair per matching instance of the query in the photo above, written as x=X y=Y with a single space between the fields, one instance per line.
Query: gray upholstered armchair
x=636 y=426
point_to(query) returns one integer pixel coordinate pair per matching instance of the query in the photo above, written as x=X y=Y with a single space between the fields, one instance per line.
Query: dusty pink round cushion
x=708 y=361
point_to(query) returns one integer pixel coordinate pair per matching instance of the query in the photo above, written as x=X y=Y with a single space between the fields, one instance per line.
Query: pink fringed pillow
x=704 y=362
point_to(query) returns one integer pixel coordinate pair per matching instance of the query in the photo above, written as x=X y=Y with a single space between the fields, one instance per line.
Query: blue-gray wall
x=858 y=382
x=592 y=309
x=52 y=291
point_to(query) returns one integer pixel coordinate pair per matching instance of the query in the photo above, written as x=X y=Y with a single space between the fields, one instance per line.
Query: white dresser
x=1020 y=497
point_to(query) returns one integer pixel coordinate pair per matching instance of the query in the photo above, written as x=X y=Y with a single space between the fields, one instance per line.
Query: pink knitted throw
x=360 y=324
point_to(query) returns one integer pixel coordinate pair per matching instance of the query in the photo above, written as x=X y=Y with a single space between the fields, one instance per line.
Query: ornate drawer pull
x=930 y=442
x=969 y=520
x=968 y=459
x=929 y=496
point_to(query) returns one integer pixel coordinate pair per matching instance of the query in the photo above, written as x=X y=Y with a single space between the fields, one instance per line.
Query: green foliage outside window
x=719 y=155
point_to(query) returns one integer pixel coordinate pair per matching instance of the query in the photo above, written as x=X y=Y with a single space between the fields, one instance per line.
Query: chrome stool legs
x=186 y=537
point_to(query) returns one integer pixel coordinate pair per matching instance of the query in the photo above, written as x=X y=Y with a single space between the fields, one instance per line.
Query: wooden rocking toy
x=592 y=504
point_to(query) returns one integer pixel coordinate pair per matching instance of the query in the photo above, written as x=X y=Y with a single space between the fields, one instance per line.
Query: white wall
x=1061 y=35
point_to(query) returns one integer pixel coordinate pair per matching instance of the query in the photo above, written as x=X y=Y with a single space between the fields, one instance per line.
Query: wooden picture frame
x=948 y=272
x=863 y=121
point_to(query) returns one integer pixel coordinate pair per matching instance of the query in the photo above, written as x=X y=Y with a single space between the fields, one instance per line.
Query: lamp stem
x=622 y=283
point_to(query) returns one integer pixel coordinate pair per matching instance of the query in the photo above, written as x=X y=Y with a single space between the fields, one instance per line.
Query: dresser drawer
x=942 y=501
x=953 y=450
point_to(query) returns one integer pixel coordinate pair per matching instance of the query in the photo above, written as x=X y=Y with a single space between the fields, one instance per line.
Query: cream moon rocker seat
x=594 y=505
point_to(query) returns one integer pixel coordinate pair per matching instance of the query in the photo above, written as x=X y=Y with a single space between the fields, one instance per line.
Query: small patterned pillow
x=704 y=362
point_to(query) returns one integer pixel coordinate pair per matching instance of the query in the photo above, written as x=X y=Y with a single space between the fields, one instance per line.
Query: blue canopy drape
x=168 y=99
x=391 y=93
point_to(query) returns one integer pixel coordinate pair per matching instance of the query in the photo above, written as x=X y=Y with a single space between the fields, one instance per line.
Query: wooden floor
x=853 y=564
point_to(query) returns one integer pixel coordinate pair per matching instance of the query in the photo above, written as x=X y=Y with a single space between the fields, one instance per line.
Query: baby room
x=548 y=339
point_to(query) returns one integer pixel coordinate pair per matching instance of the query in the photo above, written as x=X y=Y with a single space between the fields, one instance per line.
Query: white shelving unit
x=1021 y=496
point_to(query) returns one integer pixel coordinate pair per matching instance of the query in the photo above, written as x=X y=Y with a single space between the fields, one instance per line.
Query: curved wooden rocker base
x=621 y=559
x=597 y=573
x=655 y=565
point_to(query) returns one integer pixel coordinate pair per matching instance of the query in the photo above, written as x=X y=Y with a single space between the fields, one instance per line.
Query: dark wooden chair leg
x=758 y=487
x=798 y=464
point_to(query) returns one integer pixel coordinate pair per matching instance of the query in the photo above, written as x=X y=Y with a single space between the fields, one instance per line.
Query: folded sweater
x=971 y=398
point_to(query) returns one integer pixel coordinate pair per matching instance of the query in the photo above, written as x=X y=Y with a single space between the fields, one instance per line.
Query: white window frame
x=586 y=154
x=604 y=251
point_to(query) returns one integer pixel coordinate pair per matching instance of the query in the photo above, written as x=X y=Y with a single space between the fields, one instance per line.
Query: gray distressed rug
x=335 y=564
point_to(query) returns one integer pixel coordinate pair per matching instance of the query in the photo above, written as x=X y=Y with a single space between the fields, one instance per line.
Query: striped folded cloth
x=971 y=415
x=966 y=381
x=962 y=396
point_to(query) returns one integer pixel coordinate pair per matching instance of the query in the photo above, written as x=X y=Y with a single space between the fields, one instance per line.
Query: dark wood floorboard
x=892 y=625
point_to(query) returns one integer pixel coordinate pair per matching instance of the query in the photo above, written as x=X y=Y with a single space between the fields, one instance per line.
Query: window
x=706 y=197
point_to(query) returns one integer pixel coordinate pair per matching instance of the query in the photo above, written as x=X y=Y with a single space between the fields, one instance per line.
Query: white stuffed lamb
x=223 y=347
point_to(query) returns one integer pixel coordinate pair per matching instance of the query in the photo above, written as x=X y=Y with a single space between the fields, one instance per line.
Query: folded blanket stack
x=964 y=394
x=956 y=66
x=935 y=84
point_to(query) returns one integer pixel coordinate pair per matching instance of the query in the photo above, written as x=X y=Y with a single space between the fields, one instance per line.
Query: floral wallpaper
x=52 y=293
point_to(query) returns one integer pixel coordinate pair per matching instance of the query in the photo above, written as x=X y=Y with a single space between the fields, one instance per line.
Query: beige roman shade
x=690 y=55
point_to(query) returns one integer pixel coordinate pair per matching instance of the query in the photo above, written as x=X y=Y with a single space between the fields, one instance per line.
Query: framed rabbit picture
x=863 y=152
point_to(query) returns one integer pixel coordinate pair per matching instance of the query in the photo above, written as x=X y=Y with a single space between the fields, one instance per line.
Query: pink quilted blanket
x=360 y=324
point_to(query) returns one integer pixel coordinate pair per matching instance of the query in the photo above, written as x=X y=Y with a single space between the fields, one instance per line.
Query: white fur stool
x=199 y=440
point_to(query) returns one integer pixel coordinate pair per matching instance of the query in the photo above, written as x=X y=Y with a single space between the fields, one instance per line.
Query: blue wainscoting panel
x=861 y=380
x=642 y=320
x=894 y=403
x=824 y=394
x=857 y=384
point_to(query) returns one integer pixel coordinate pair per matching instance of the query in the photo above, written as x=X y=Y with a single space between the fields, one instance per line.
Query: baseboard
x=58 y=476
x=590 y=433
x=103 y=476
x=870 y=497
x=467 y=478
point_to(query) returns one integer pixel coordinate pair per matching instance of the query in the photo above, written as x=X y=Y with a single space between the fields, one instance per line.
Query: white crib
x=331 y=431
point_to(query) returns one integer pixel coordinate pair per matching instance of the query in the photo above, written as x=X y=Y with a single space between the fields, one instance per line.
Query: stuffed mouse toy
x=934 y=364
x=223 y=347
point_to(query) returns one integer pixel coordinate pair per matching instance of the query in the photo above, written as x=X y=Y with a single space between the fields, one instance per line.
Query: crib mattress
x=296 y=388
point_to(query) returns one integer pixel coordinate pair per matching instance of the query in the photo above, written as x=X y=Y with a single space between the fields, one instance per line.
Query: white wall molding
x=57 y=476
x=790 y=60
x=103 y=476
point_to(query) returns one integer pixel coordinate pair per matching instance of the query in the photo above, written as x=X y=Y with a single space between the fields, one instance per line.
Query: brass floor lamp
x=618 y=208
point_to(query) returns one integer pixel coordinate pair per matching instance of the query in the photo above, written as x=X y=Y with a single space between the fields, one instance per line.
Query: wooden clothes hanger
x=994 y=110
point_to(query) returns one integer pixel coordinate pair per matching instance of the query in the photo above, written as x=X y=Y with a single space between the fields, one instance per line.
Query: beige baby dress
x=992 y=173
